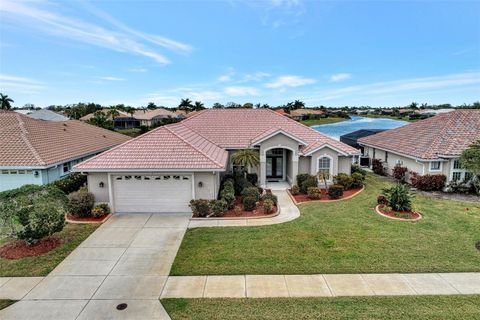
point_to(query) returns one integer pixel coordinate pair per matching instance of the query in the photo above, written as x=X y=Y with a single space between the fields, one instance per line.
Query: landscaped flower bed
x=73 y=219
x=259 y=211
x=347 y=194
x=396 y=203
x=384 y=210
x=17 y=249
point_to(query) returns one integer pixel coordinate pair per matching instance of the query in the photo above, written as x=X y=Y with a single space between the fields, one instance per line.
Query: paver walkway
x=126 y=260
x=288 y=212
x=321 y=285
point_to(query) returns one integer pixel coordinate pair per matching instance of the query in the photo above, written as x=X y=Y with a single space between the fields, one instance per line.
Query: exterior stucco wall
x=289 y=164
x=210 y=185
x=13 y=181
x=324 y=152
x=93 y=181
x=304 y=165
x=345 y=165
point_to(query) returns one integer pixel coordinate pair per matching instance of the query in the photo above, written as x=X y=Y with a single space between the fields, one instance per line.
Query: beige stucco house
x=162 y=170
x=430 y=146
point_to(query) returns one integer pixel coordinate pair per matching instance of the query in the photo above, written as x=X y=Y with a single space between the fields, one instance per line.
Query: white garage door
x=152 y=193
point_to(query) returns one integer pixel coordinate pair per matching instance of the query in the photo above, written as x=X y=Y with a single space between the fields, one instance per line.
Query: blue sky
x=333 y=53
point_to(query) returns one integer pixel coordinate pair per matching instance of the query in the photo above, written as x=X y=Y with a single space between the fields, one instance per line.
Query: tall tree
x=470 y=161
x=297 y=104
x=247 y=158
x=186 y=104
x=5 y=102
x=151 y=106
x=198 y=106
x=217 y=105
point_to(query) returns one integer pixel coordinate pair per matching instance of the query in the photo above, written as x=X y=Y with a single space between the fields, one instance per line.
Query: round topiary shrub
x=313 y=193
x=200 y=207
x=358 y=180
x=311 y=181
x=268 y=206
x=218 y=207
x=80 y=204
x=251 y=192
x=100 y=210
x=294 y=190
x=335 y=191
x=249 y=203
x=344 y=180
x=271 y=197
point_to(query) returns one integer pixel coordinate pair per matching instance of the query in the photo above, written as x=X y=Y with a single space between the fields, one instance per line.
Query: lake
x=335 y=130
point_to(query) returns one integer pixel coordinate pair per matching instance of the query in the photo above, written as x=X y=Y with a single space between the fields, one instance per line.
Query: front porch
x=278 y=168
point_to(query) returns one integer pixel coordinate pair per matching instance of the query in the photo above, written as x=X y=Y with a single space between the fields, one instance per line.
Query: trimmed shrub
x=311 y=181
x=428 y=182
x=294 y=190
x=80 y=204
x=249 y=203
x=32 y=212
x=399 y=197
x=313 y=193
x=271 y=197
x=302 y=177
x=100 y=210
x=228 y=195
x=377 y=167
x=218 y=207
x=358 y=180
x=400 y=173
x=252 y=178
x=357 y=169
x=335 y=191
x=344 y=180
x=251 y=192
x=240 y=184
x=381 y=199
x=268 y=206
x=200 y=207
x=71 y=182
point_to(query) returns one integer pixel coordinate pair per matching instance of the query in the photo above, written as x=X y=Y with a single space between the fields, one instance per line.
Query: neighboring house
x=352 y=138
x=305 y=113
x=38 y=152
x=153 y=117
x=283 y=113
x=47 y=115
x=430 y=146
x=123 y=120
x=162 y=170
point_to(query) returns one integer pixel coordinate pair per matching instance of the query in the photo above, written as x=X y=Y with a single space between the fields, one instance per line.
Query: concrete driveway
x=126 y=260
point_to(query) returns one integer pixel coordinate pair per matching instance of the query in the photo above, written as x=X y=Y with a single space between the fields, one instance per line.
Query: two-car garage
x=152 y=193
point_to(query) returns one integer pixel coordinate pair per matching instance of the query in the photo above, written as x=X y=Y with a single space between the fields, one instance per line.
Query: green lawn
x=341 y=237
x=73 y=235
x=316 y=122
x=5 y=303
x=363 y=308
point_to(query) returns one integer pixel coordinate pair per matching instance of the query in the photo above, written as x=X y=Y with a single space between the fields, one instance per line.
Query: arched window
x=324 y=165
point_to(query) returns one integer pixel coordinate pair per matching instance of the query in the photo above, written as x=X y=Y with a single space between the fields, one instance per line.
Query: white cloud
x=227 y=76
x=10 y=83
x=110 y=78
x=138 y=69
x=241 y=91
x=256 y=76
x=120 y=39
x=340 y=77
x=289 y=81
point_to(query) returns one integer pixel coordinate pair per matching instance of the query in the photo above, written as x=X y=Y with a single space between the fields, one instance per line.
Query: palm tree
x=198 y=106
x=5 y=102
x=247 y=158
x=323 y=175
x=297 y=104
x=113 y=113
x=185 y=104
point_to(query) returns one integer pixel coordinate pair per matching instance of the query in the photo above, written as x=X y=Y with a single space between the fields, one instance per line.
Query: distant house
x=153 y=117
x=430 y=146
x=38 y=152
x=47 y=115
x=123 y=120
x=283 y=113
x=305 y=113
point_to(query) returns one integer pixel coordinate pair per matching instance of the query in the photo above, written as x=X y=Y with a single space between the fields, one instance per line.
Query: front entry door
x=274 y=167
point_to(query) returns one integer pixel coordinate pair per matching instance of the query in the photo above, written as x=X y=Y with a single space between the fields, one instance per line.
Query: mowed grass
x=360 y=308
x=341 y=237
x=316 y=122
x=5 y=303
x=73 y=235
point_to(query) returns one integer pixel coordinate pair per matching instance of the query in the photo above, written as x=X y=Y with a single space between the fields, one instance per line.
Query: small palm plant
x=323 y=175
x=247 y=158
x=399 y=197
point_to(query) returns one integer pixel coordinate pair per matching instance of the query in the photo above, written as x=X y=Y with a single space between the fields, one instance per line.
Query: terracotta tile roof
x=105 y=111
x=301 y=112
x=446 y=134
x=168 y=147
x=25 y=141
x=150 y=114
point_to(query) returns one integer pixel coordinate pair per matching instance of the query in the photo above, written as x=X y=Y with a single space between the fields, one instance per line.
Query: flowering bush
x=399 y=173
x=428 y=182
x=377 y=167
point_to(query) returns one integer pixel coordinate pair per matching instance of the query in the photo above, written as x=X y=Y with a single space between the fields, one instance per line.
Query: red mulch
x=399 y=214
x=18 y=249
x=85 y=219
x=324 y=197
x=257 y=212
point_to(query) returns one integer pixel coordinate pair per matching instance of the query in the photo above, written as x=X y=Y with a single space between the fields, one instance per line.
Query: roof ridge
x=187 y=142
x=23 y=133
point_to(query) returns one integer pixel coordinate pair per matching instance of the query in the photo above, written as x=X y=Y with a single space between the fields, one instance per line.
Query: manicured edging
x=324 y=201
x=377 y=210
x=239 y=218
x=105 y=218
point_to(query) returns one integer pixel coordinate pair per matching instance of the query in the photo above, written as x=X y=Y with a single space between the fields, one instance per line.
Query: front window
x=456 y=164
x=324 y=166
x=435 y=166
x=456 y=176
x=66 y=167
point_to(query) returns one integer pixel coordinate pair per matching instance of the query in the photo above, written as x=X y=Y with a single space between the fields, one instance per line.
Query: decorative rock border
x=324 y=201
x=276 y=213
x=377 y=210
x=86 y=221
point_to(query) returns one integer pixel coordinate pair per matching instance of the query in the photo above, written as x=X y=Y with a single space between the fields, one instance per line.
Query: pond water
x=335 y=130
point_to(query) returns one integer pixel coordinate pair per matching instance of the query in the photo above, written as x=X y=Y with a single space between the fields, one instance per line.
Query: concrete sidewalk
x=288 y=212
x=322 y=285
x=126 y=260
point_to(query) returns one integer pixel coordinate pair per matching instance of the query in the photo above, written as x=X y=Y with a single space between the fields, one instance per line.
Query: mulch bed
x=18 y=249
x=258 y=211
x=324 y=196
x=72 y=219
x=403 y=215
